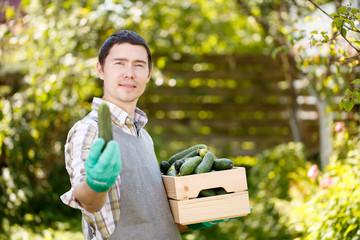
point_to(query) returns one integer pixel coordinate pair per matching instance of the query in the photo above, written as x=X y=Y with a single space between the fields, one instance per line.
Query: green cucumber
x=182 y=153
x=105 y=123
x=189 y=166
x=207 y=193
x=164 y=167
x=203 y=152
x=222 y=164
x=172 y=171
x=206 y=163
x=178 y=164
x=190 y=154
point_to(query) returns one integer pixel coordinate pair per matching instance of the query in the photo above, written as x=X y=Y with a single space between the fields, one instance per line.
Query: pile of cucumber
x=194 y=160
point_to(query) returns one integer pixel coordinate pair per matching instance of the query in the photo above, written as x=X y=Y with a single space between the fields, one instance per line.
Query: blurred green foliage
x=289 y=205
x=268 y=184
x=269 y=181
x=332 y=211
x=54 y=45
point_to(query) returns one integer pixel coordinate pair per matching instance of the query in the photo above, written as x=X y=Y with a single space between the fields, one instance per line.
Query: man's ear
x=149 y=75
x=99 y=71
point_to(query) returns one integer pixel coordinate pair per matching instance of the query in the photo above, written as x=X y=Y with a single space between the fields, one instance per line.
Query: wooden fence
x=237 y=104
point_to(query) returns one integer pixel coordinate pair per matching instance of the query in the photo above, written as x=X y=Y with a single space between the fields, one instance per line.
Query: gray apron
x=145 y=212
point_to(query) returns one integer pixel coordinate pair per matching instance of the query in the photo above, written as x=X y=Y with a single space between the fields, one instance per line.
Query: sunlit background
x=272 y=85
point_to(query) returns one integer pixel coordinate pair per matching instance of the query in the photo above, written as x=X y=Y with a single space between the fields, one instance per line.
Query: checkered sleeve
x=77 y=147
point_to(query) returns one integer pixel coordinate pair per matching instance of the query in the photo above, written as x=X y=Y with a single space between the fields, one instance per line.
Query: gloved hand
x=102 y=168
x=197 y=226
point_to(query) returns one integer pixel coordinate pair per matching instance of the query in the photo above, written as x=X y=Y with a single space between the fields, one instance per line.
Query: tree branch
x=347 y=40
x=318 y=7
x=350 y=43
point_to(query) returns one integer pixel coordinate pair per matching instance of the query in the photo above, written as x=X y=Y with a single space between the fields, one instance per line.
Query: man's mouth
x=127 y=85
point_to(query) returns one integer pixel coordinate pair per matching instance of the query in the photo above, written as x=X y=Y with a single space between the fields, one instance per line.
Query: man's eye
x=119 y=63
x=139 y=65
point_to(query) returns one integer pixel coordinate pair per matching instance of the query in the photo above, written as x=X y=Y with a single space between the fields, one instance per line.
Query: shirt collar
x=119 y=116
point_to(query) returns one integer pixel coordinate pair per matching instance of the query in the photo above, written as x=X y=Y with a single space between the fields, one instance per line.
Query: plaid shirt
x=101 y=224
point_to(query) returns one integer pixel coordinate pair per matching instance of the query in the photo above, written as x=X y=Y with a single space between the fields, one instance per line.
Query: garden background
x=273 y=85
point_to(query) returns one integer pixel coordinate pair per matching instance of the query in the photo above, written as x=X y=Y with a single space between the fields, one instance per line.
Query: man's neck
x=127 y=107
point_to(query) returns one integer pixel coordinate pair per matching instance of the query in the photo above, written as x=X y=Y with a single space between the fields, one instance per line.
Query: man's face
x=125 y=74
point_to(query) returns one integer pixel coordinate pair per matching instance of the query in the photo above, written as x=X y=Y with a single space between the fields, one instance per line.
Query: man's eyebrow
x=126 y=60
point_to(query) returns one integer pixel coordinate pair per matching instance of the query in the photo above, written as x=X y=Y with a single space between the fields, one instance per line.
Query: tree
x=344 y=21
x=321 y=75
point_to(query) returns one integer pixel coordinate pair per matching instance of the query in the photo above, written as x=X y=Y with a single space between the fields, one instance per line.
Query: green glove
x=197 y=226
x=102 y=168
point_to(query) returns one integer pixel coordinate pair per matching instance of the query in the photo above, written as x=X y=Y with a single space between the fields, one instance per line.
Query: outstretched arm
x=102 y=168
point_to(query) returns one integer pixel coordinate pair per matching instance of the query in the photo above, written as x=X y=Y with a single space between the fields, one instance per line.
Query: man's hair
x=123 y=36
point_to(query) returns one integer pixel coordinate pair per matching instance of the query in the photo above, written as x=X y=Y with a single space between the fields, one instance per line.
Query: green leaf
x=343 y=32
x=337 y=23
x=356 y=81
x=350 y=228
x=349 y=105
x=314 y=41
x=348 y=92
x=352 y=24
x=314 y=32
x=341 y=104
x=354 y=10
x=335 y=14
x=342 y=9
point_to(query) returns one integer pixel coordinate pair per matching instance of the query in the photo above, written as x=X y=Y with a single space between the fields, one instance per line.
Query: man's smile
x=127 y=85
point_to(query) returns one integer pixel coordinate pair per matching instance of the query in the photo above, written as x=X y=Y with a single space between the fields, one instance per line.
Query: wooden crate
x=187 y=208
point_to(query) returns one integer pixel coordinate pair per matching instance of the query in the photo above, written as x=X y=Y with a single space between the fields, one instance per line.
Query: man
x=120 y=197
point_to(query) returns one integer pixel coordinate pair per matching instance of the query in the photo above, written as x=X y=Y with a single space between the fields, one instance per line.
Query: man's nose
x=129 y=72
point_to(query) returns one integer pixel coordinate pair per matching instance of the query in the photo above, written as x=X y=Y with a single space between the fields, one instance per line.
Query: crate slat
x=186 y=187
x=210 y=208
